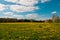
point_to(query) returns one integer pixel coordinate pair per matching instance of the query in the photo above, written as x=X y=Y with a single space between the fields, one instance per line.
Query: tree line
x=54 y=19
x=18 y=20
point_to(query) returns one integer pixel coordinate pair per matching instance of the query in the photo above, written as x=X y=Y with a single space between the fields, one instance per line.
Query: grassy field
x=29 y=31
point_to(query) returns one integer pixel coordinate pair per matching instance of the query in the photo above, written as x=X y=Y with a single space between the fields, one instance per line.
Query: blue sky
x=29 y=9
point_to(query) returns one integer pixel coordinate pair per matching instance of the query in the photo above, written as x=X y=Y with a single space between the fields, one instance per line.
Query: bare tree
x=55 y=18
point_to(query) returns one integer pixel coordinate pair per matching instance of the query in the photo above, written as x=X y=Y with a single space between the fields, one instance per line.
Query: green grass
x=29 y=31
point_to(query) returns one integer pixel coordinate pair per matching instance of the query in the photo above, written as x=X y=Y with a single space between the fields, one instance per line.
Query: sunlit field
x=29 y=31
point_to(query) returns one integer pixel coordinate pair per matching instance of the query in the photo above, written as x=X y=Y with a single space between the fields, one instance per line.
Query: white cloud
x=2 y=7
x=25 y=5
x=28 y=2
x=43 y=1
x=14 y=1
x=40 y=19
x=13 y=16
x=24 y=2
x=32 y=16
x=6 y=17
x=3 y=16
x=19 y=8
x=8 y=13
x=27 y=16
x=19 y=16
x=54 y=12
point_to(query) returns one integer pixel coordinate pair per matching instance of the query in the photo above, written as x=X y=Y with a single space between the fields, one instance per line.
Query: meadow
x=29 y=31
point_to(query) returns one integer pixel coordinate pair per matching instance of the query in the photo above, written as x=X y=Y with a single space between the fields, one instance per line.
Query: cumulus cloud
x=24 y=2
x=8 y=13
x=27 y=16
x=20 y=8
x=28 y=2
x=43 y=1
x=32 y=16
x=19 y=16
x=13 y=16
x=2 y=7
x=6 y=17
x=25 y=5
x=14 y=1
x=54 y=12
